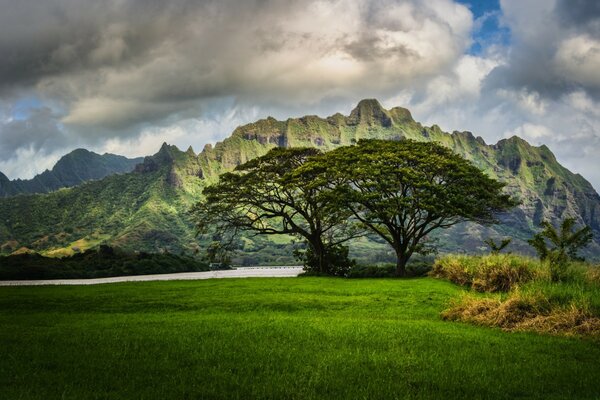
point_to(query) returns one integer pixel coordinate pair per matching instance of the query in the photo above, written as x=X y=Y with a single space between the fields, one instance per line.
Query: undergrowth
x=525 y=298
x=492 y=273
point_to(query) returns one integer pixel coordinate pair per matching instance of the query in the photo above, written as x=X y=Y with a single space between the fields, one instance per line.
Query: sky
x=123 y=76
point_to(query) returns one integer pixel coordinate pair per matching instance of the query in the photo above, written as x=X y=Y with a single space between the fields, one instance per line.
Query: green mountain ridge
x=147 y=209
x=78 y=166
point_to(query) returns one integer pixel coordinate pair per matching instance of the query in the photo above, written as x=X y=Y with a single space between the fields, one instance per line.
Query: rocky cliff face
x=147 y=209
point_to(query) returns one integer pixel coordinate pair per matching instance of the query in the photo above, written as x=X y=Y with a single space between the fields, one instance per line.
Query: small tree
x=496 y=248
x=266 y=196
x=403 y=190
x=560 y=247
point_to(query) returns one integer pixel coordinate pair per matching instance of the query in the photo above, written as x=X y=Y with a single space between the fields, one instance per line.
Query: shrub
x=417 y=267
x=372 y=271
x=491 y=273
x=336 y=259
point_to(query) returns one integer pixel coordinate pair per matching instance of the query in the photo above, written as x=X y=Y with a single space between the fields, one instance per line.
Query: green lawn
x=273 y=338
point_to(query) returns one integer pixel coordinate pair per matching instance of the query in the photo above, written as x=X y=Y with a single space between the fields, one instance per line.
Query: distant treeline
x=97 y=263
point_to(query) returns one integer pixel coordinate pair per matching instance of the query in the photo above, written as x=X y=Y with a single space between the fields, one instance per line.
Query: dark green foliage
x=404 y=190
x=216 y=253
x=373 y=271
x=335 y=257
x=559 y=248
x=103 y=262
x=496 y=248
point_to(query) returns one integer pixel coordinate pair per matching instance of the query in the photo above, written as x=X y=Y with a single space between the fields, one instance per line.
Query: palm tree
x=496 y=248
x=560 y=247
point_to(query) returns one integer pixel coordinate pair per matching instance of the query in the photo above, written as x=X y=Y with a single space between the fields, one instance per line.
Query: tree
x=496 y=248
x=403 y=190
x=558 y=248
x=266 y=196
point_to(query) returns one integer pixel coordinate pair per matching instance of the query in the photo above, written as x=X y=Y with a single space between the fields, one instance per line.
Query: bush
x=336 y=259
x=491 y=273
x=372 y=271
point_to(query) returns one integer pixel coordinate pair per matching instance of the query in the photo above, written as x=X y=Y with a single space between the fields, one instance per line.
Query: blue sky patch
x=487 y=30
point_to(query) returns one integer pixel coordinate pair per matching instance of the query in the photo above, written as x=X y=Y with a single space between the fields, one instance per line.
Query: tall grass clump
x=528 y=297
x=490 y=273
x=565 y=309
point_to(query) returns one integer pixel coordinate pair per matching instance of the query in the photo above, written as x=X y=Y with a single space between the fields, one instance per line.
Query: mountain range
x=147 y=209
x=71 y=170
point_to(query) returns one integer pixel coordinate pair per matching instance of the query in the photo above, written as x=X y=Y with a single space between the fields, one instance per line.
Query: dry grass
x=525 y=313
x=533 y=302
x=492 y=273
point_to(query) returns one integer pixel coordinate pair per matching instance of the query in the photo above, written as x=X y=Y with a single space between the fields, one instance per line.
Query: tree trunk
x=319 y=254
x=401 y=261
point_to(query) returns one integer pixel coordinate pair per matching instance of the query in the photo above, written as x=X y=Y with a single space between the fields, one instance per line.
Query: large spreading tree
x=403 y=190
x=266 y=196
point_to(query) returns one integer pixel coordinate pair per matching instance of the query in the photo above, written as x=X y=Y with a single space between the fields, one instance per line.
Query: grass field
x=296 y=338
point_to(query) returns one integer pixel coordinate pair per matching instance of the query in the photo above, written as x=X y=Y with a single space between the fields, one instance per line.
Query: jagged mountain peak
x=371 y=113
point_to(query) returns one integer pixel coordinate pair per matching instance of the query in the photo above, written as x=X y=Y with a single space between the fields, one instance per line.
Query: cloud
x=40 y=131
x=124 y=76
x=117 y=64
x=578 y=59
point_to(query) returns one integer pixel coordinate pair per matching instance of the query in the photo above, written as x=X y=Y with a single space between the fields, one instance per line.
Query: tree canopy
x=403 y=190
x=265 y=196
x=400 y=190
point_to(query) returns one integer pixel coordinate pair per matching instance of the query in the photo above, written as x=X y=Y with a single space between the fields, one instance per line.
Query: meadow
x=294 y=338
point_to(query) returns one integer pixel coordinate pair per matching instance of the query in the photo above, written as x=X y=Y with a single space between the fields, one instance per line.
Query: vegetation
x=103 y=262
x=310 y=338
x=491 y=273
x=400 y=190
x=496 y=248
x=404 y=190
x=265 y=196
x=558 y=248
x=528 y=298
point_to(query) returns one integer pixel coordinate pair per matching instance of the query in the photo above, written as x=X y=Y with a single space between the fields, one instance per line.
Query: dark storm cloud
x=39 y=131
x=579 y=13
x=114 y=73
x=555 y=48
x=115 y=64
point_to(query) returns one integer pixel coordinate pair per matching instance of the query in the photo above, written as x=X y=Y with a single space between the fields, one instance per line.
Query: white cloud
x=528 y=100
x=578 y=58
x=21 y=165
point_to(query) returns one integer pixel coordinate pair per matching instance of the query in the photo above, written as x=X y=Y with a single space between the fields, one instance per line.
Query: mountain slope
x=147 y=209
x=71 y=170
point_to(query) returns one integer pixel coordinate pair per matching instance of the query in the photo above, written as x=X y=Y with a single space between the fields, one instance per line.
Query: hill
x=77 y=167
x=146 y=210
